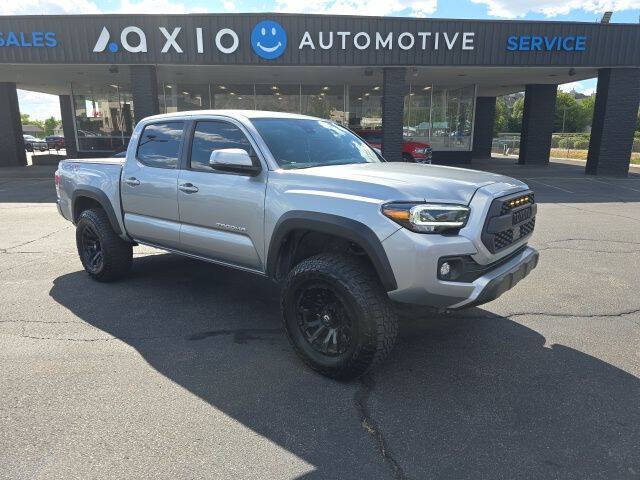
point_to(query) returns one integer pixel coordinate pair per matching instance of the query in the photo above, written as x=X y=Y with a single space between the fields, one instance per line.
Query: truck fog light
x=445 y=270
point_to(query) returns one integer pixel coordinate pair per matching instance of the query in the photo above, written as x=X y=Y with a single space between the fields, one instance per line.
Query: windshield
x=304 y=143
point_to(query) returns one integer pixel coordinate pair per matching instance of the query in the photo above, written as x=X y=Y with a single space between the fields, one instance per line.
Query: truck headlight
x=427 y=217
x=421 y=151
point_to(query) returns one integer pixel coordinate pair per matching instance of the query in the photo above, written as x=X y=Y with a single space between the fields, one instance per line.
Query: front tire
x=337 y=316
x=104 y=255
x=407 y=158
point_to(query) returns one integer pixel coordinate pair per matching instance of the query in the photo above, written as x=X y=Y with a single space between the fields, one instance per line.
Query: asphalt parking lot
x=183 y=371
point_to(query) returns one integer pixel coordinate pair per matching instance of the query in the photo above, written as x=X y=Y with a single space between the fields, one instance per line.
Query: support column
x=393 y=91
x=537 y=124
x=614 y=121
x=66 y=112
x=11 y=141
x=144 y=90
x=483 y=126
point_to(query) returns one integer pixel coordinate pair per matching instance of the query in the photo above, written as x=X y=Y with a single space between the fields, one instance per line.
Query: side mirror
x=233 y=160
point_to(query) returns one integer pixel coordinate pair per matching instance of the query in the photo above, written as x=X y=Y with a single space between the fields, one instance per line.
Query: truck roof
x=248 y=114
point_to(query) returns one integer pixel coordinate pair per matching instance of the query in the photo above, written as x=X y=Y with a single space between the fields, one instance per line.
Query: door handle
x=188 y=188
x=132 y=181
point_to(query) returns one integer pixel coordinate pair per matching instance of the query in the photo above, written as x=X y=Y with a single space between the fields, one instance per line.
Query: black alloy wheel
x=91 y=249
x=323 y=319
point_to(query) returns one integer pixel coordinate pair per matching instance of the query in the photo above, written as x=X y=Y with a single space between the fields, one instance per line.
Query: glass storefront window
x=278 y=98
x=365 y=106
x=103 y=117
x=233 y=96
x=324 y=101
x=440 y=115
x=178 y=97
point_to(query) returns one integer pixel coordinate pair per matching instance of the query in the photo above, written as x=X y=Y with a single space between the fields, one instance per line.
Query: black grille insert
x=506 y=221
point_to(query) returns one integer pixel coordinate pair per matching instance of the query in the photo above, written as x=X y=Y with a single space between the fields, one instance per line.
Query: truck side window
x=160 y=144
x=215 y=135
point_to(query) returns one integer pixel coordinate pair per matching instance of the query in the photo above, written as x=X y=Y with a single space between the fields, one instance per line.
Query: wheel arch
x=332 y=226
x=88 y=195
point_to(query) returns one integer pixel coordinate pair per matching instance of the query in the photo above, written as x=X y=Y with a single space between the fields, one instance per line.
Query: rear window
x=160 y=144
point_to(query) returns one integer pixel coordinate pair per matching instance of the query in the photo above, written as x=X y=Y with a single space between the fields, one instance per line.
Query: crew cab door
x=149 y=185
x=221 y=213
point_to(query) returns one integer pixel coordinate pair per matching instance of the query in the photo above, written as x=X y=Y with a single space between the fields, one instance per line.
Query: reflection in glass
x=180 y=97
x=103 y=117
x=232 y=96
x=278 y=98
x=324 y=101
x=318 y=143
x=440 y=115
x=210 y=136
x=365 y=106
x=160 y=143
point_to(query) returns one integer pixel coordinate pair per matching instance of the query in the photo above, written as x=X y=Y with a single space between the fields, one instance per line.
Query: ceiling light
x=428 y=87
x=114 y=86
x=376 y=88
x=359 y=98
x=325 y=88
x=222 y=87
x=169 y=86
x=185 y=93
x=274 y=87
x=231 y=93
x=366 y=94
x=411 y=94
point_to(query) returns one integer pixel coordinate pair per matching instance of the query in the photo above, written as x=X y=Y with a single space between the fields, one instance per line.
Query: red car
x=55 y=142
x=418 y=152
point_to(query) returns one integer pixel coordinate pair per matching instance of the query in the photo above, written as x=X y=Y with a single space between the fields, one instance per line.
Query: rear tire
x=104 y=255
x=337 y=316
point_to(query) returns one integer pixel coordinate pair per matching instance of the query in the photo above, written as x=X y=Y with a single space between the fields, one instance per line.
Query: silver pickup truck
x=310 y=205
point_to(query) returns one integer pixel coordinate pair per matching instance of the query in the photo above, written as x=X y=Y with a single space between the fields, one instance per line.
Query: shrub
x=581 y=144
x=566 y=142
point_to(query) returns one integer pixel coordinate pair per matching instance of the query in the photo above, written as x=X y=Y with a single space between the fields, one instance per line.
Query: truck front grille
x=510 y=219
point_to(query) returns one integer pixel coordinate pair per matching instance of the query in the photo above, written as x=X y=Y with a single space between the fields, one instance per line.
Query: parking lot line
x=547 y=185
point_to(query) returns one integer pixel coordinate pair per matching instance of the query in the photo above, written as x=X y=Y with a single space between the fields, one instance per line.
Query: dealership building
x=429 y=79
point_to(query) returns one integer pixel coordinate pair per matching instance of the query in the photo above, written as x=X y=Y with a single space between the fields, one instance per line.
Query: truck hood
x=406 y=181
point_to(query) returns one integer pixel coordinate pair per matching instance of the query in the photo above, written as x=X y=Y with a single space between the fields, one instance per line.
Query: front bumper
x=495 y=283
x=414 y=258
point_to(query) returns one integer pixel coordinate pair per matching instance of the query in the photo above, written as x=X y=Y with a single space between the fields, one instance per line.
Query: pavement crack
x=368 y=424
x=6 y=250
x=600 y=213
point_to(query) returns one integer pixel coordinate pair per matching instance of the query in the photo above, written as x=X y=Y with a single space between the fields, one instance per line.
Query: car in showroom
x=55 y=142
x=31 y=144
x=412 y=151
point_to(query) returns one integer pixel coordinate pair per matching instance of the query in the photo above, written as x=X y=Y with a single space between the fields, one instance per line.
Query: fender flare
x=99 y=196
x=336 y=225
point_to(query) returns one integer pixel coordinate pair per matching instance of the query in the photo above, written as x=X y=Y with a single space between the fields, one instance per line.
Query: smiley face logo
x=268 y=39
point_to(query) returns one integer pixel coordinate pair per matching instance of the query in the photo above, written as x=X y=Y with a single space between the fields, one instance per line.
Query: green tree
x=50 y=124
x=501 y=116
x=571 y=115
x=514 y=124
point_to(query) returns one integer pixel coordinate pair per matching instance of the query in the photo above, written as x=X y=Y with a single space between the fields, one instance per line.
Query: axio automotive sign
x=269 y=40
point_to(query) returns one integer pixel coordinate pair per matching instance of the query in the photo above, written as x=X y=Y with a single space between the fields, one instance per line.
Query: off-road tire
x=117 y=254
x=372 y=313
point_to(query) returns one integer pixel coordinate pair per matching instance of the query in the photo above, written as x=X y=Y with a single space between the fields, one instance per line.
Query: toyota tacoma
x=303 y=201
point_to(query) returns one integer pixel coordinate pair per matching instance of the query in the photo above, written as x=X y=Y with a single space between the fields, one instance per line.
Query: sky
x=42 y=106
